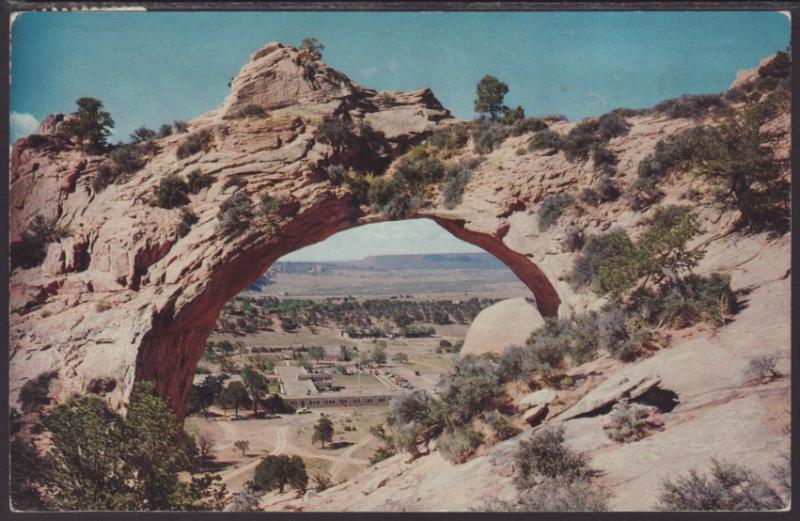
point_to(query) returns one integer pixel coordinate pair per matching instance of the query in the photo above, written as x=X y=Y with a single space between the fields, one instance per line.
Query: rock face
x=507 y=323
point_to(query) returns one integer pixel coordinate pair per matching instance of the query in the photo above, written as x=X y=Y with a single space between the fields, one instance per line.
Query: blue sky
x=151 y=68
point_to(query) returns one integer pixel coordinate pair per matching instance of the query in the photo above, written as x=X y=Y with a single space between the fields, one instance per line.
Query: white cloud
x=22 y=124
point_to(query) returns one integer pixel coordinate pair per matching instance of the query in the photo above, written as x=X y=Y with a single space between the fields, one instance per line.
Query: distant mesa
x=507 y=323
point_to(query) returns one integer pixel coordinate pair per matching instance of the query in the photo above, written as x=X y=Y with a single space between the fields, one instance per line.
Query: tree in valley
x=323 y=431
x=316 y=352
x=233 y=396
x=278 y=471
x=256 y=385
x=242 y=445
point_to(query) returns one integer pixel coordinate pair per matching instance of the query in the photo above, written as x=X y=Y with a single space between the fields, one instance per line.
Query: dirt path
x=347 y=457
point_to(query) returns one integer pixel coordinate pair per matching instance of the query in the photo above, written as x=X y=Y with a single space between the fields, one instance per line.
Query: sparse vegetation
x=763 y=368
x=235 y=214
x=171 y=192
x=691 y=106
x=31 y=248
x=188 y=219
x=246 y=111
x=142 y=134
x=457 y=178
x=195 y=142
x=488 y=135
x=552 y=207
x=242 y=446
x=590 y=134
x=729 y=487
x=544 y=455
x=458 y=444
x=628 y=422
x=546 y=139
x=197 y=181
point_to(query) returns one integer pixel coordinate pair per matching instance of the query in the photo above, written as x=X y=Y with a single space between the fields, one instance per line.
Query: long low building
x=337 y=400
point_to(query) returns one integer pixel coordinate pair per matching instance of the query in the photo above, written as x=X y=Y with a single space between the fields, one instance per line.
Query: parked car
x=237 y=417
x=270 y=416
x=303 y=410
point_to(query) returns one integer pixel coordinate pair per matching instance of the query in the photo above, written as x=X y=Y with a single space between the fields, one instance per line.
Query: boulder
x=536 y=399
x=605 y=395
x=507 y=323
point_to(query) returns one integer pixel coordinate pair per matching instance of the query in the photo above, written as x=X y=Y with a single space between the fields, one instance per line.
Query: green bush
x=622 y=334
x=643 y=192
x=546 y=139
x=171 y=192
x=457 y=178
x=128 y=159
x=692 y=299
x=557 y=496
x=197 y=181
x=249 y=110
x=142 y=134
x=501 y=425
x=106 y=174
x=458 y=444
x=336 y=132
x=235 y=214
x=471 y=388
x=591 y=133
x=628 y=422
x=488 y=135
x=613 y=264
x=451 y=137
x=194 y=143
x=604 y=191
x=31 y=248
x=580 y=139
x=612 y=125
x=730 y=487
x=552 y=207
x=164 y=131
x=188 y=219
x=604 y=159
x=691 y=106
x=544 y=455
x=417 y=169
x=527 y=125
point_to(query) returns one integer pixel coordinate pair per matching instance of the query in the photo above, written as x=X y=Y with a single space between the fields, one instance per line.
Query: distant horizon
x=480 y=252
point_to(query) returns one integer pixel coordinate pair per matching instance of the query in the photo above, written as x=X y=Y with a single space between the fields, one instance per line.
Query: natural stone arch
x=170 y=351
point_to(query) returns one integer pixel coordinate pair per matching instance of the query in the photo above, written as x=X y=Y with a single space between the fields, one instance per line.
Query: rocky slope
x=126 y=297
